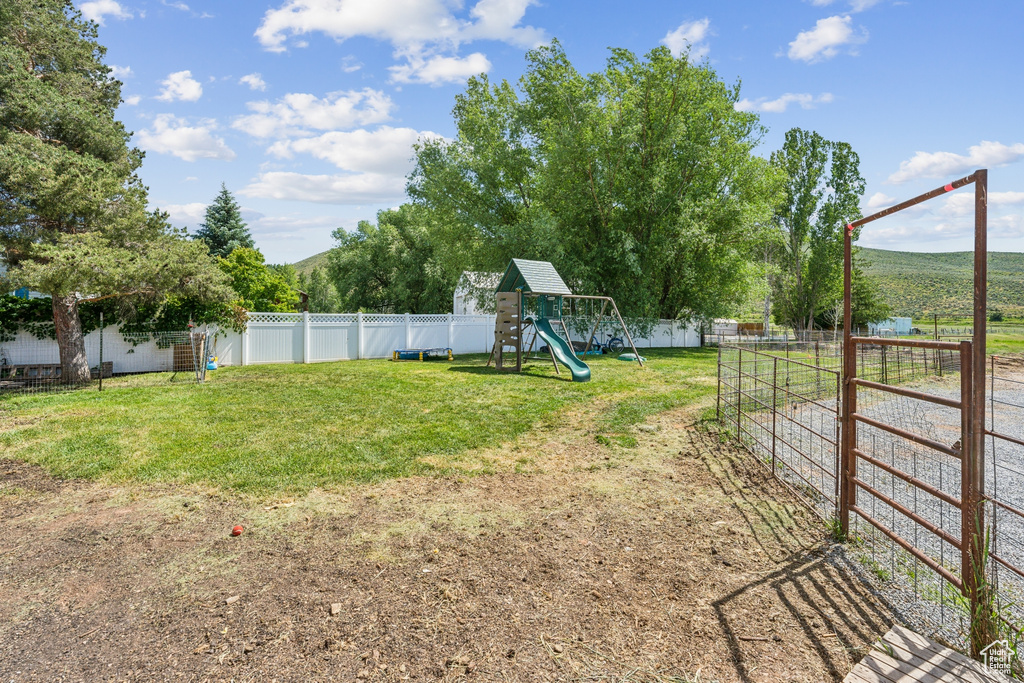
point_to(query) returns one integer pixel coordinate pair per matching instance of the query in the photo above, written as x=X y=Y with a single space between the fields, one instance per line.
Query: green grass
x=288 y=428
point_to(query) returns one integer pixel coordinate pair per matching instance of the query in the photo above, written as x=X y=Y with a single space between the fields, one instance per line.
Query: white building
x=474 y=294
x=891 y=327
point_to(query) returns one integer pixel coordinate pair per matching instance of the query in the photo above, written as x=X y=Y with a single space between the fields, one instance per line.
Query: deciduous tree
x=822 y=195
x=258 y=286
x=638 y=181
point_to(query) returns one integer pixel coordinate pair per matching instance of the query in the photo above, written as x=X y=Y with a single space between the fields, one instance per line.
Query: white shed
x=474 y=293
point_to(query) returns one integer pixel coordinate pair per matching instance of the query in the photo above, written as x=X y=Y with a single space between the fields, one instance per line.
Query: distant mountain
x=307 y=265
x=917 y=284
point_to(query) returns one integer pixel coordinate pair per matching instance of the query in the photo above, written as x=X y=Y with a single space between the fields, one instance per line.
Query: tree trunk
x=74 y=366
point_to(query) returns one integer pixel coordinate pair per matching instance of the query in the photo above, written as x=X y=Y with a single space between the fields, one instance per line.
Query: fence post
x=408 y=331
x=451 y=330
x=718 y=392
x=739 y=394
x=359 y=336
x=305 y=337
x=775 y=402
x=101 y=350
x=245 y=343
x=848 y=461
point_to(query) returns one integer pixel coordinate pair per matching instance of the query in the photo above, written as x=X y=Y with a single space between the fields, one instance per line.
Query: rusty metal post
x=848 y=465
x=775 y=404
x=980 y=629
x=885 y=371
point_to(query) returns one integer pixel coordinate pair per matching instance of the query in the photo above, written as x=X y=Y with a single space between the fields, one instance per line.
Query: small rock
x=335 y=609
x=558 y=649
x=401 y=667
x=233 y=599
x=248 y=648
x=363 y=673
x=777 y=638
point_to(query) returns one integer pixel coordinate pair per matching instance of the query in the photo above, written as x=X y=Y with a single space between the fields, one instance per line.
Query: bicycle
x=613 y=345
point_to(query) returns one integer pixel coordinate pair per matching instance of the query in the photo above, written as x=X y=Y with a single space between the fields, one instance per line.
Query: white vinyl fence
x=313 y=338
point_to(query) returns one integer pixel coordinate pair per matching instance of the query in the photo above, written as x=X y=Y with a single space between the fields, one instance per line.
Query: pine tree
x=74 y=221
x=223 y=230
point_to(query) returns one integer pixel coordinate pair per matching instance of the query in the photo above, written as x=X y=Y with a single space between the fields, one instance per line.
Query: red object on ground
x=237 y=531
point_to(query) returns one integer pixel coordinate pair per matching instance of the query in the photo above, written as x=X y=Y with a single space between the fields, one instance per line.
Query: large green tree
x=321 y=292
x=74 y=222
x=407 y=263
x=823 y=192
x=223 y=230
x=638 y=181
x=259 y=287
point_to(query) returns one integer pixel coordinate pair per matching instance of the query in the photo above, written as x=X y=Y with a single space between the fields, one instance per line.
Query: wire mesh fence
x=30 y=364
x=784 y=410
x=783 y=403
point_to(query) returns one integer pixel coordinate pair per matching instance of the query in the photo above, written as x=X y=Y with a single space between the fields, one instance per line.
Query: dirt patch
x=675 y=559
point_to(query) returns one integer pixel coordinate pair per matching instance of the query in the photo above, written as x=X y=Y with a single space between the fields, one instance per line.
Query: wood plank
x=936 y=656
x=960 y=658
x=916 y=659
x=899 y=670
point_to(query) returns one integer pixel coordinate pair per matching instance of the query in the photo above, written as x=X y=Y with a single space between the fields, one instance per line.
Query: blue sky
x=307 y=109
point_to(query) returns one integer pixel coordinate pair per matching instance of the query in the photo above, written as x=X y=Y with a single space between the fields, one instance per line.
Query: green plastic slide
x=562 y=349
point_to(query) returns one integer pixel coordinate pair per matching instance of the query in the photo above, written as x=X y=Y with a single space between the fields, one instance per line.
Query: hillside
x=917 y=284
x=307 y=265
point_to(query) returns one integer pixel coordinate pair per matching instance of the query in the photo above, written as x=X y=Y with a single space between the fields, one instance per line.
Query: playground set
x=531 y=297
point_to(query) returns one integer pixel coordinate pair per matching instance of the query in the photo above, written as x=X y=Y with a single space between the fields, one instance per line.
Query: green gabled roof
x=538 y=277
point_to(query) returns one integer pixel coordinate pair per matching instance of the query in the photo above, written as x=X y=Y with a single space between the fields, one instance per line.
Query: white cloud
x=176 y=5
x=298 y=112
x=962 y=203
x=386 y=150
x=425 y=34
x=861 y=5
x=97 y=9
x=350 y=65
x=941 y=164
x=779 y=104
x=880 y=200
x=437 y=69
x=690 y=35
x=254 y=81
x=173 y=135
x=824 y=40
x=355 y=188
x=403 y=23
x=120 y=72
x=183 y=215
x=132 y=100
x=821 y=3
x=180 y=86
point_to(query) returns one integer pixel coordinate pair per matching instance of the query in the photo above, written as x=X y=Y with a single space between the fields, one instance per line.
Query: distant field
x=920 y=285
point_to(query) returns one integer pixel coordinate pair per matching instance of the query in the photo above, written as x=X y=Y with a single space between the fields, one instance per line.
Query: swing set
x=532 y=297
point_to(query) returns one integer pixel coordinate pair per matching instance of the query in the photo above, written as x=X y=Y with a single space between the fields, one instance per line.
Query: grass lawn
x=284 y=429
